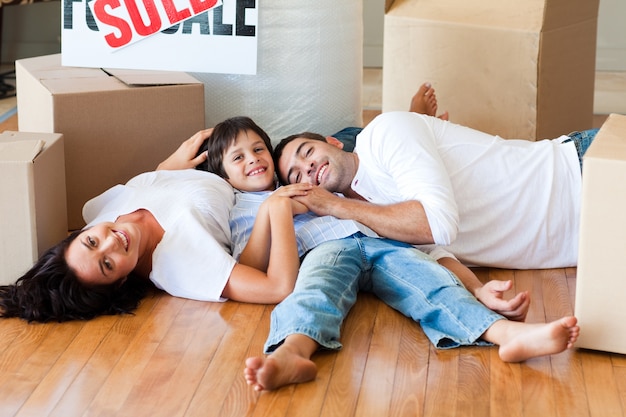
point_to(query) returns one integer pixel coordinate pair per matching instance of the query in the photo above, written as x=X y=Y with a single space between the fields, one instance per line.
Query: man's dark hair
x=51 y=291
x=223 y=136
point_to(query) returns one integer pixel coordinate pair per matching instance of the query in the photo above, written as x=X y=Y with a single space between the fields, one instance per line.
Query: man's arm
x=405 y=221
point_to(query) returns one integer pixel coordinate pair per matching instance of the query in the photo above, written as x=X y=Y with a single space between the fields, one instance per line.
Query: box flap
x=527 y=15
x=60 y=79
x=20 y=151
x=561 y=13
x=147 y=78
x=610 y=143
x=49 y=67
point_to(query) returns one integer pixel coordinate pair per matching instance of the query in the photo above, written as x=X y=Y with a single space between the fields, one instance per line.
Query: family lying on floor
x=401 y=215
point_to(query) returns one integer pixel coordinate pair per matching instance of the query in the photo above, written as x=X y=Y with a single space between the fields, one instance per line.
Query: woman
x=165 y=227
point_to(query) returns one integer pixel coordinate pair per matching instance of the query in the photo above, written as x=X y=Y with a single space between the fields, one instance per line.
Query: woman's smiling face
x=104 y=253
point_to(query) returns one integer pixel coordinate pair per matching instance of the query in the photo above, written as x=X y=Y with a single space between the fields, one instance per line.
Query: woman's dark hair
x=51 y=291
x=278 y=151
x=224 y=135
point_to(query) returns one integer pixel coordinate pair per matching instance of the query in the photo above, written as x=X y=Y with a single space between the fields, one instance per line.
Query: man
x=489 y=201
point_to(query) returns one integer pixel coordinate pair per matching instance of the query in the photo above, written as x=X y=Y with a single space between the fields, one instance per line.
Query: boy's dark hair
x=51 y=291
x=223 y=136
x=278 y=151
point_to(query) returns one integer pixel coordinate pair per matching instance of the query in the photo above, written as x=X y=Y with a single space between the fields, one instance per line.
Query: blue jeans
x=404 y=278
x=582 y=140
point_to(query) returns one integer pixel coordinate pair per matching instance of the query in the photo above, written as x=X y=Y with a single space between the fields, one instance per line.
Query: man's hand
x=185 y=156
x=319 y=201
x=491 y=295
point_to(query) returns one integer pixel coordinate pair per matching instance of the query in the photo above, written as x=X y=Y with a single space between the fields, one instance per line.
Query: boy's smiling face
x=248 y=163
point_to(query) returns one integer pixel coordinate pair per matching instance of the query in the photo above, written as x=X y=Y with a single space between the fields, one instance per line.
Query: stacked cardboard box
x=33 y=213
x=116 y=124
x=518 y=69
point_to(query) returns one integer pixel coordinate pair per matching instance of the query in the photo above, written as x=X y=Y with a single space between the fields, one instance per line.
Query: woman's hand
x=185 y=156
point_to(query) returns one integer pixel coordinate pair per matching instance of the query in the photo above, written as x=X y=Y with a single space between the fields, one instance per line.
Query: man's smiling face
x=313 y=161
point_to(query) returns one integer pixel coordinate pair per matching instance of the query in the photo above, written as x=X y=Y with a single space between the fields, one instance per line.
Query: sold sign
x=132 y=20
x=166 y=35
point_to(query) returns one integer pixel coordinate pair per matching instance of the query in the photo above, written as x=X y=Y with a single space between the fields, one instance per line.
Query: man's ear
x=334 y=141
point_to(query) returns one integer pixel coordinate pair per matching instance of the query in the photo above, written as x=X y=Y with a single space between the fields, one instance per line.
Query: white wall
x=611 y=49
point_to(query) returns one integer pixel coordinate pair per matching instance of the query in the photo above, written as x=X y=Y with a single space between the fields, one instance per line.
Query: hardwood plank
x=555 y=289
x=603 y=396
x=343 y=389
x=30 y=371
x=441 y=389
x=474 y=396
x=505 y=387
x=92 y=376
x=166 y=387
x=409 y=388
x=135 y=358
x=569 y=385
x=537 y=392
x=378 y=379
x=224 y=370
x=53 y=386
x=620 y=379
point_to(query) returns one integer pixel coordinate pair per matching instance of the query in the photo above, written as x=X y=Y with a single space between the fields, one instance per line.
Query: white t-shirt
x=193 y=258
x=489 y=201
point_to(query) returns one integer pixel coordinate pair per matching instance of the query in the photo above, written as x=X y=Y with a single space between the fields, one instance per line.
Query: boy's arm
x=272 y=249
x=491 y=294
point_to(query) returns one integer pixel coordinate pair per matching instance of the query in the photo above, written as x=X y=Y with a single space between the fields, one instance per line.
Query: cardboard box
x=33 y=213
x=601 y=273
x=116 y=124
x=518 y=69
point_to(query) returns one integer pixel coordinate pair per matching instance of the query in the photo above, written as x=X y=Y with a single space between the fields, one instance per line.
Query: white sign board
x=212 y=36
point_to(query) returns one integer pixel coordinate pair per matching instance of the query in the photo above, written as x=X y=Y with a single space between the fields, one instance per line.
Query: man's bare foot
x=425 y=102
x=282 y=367
x=525 y=341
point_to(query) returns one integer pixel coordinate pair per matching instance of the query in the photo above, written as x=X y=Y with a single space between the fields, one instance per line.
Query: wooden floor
x=178 y=357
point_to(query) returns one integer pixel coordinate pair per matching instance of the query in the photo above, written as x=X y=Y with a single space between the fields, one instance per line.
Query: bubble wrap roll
x=309 y=73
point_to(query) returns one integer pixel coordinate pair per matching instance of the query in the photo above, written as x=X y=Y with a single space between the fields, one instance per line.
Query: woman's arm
x=186 y=156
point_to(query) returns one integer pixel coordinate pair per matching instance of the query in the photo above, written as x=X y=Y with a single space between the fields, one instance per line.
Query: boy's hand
x=185 y=156
x=289 y=191
x=491 y=295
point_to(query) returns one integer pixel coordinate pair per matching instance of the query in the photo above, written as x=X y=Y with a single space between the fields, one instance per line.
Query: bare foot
x=531 y=340
x=282 y=367
x=425 y=102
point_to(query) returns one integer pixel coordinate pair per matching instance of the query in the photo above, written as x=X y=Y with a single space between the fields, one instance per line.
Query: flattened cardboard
x=600 y=283
x=33 y=211
x=516 y=69
x=113 y=130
